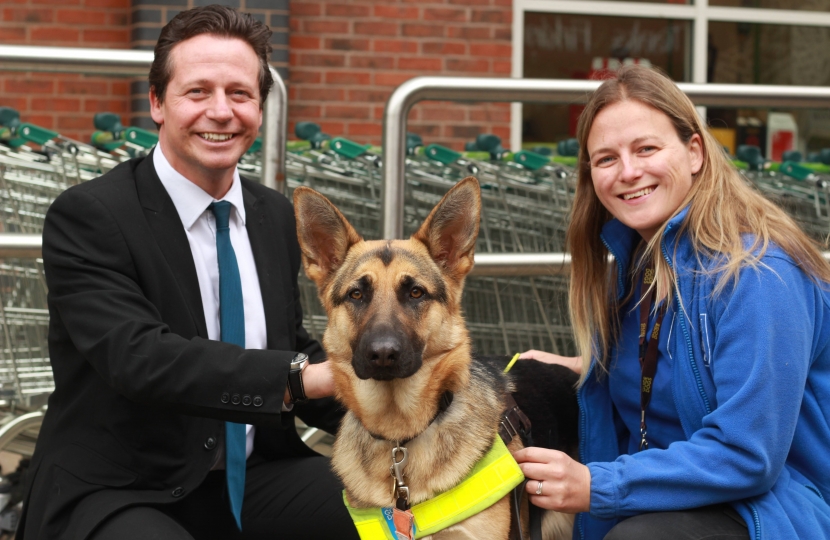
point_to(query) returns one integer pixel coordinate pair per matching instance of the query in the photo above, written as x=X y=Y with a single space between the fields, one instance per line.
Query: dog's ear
x=451 y=229
x=323 y=232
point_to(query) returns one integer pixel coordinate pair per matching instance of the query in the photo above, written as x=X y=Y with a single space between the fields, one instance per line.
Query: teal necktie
x=232 y=330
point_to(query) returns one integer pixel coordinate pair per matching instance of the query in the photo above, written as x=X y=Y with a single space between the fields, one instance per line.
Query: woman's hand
x=574 y=363
x=566 y=484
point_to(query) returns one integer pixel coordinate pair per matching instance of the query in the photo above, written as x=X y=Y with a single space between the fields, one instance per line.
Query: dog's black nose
x=384 y=352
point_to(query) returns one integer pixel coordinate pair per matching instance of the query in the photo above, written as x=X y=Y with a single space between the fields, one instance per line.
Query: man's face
x=211 y=111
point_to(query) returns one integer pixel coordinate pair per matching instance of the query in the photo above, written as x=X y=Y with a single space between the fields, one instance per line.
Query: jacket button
x=235 y=399
x=257 y=401
x=210 y=443
x=226 y=397
x=246 y=400
x=178 y=492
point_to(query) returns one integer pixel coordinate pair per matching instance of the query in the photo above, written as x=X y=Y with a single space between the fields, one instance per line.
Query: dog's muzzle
x=384 y=354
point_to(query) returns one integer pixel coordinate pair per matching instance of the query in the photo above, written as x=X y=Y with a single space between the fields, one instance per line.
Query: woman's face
x=640 y=168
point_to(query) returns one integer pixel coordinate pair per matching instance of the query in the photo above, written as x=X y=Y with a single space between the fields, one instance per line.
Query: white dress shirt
x=192 y=203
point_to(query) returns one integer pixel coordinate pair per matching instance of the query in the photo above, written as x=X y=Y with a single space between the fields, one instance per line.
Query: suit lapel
x=268 y=244
x=170 y=236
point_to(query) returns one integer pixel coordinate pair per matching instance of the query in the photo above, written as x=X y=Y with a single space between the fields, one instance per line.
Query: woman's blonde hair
x=722 y=207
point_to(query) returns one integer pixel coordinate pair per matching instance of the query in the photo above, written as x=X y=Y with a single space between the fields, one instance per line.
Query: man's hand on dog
x=574 y=363
x=317 y=381
x=566 y=484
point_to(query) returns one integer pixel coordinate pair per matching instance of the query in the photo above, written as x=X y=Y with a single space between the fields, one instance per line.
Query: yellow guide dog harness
x=493 y=477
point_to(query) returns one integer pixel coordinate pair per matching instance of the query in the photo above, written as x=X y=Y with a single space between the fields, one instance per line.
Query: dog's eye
x=416 y=292
x=355 y=294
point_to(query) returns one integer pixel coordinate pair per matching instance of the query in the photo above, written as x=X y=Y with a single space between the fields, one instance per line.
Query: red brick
x=28 y=86
x=326 y=27
x=18 y=103
x=335 y=129
x=347 y=10
x=395 y=46
x=396 y=12
x=503 y=34
x=491 y=50
x=393 y=78
x=294 y=24
x=28 y=15
x=119 y=19
x=372 y=62
x=53 y=34
x=427 y=131
x=346 y=44
x=304 y=111
x=423 y=30
x=505 y=68
x=454 y=114
x=74 y=122
x=82 y=87
x=304 y=42
x=349 y=112
x=372 y=129
x=446 y=15
x=320 y=94
x=443 y=47
x=43 y=120
x=123 y=4
x=501 y=131
x=488 y=16
x=470 y=66
x=106 y=105
x=323 y=60
x=378 y=112
x=12 y=34
x=120 y=89
x=468 y=32
x=490 y=115
x=302 y=9
x=348 y=77
x=371 y=95
x=509 y=3
x=56 y=104
x=461 y=132
x=472 y=2
x=420 y=64
x=107 y=36
x=52 y=2
x=376 y=28
x=297 y=75
x=80 y=16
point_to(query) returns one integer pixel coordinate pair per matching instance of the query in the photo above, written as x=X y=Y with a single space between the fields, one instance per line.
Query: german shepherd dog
x=398 y=346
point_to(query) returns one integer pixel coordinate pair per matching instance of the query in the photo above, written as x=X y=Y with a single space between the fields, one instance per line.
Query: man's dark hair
x=219 y=21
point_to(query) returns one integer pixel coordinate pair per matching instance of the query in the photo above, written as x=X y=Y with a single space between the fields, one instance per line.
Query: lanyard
x=648 y=350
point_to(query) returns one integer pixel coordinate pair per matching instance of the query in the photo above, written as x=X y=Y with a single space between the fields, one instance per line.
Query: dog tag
x=404 y=524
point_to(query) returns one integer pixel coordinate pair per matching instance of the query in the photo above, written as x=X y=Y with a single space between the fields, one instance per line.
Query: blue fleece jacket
x=751 y=382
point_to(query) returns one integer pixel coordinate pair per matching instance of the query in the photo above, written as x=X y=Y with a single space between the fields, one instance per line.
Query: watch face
x=299 y=361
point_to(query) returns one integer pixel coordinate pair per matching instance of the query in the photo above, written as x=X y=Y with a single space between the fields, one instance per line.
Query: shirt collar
x=190 y=200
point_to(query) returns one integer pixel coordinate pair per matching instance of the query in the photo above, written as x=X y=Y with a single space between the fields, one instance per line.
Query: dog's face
x=393 y=306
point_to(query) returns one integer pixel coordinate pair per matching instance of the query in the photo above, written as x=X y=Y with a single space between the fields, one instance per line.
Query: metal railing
x=539 y=91
x=131 y=63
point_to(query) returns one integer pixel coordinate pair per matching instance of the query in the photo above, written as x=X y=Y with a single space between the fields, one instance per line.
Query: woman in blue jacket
x=705 y=349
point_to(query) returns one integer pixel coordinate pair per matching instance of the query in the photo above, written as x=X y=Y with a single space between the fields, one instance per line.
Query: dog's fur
x=396 y=341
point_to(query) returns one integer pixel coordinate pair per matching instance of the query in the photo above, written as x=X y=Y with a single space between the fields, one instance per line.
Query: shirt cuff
x=603 y=490
x=288 y=407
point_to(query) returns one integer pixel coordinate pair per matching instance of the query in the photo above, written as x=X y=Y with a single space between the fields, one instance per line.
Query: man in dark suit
x=133 y=444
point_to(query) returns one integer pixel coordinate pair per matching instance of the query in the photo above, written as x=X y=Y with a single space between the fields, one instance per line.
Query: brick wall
x=64 y=102
x=347 y=57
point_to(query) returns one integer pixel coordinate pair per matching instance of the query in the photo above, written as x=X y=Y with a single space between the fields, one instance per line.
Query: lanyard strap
x=648 y=350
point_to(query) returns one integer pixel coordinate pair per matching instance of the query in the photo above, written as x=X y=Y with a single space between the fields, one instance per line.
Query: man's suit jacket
x=141 y=394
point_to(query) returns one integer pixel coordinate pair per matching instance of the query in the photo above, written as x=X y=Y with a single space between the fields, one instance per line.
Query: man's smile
x=217 y=137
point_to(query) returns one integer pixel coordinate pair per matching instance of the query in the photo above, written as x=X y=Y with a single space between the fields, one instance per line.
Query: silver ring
x=539 y=488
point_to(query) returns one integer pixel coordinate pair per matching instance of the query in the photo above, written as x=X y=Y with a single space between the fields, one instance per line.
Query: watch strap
x=296 y=390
